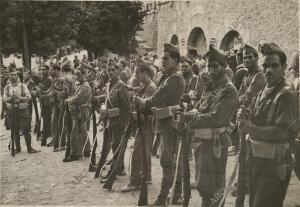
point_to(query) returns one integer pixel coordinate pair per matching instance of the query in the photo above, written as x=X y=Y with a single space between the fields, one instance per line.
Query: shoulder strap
x=22 y=89
x=271 y=112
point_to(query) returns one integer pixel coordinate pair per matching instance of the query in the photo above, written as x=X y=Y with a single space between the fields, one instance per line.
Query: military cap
x=295 y=60
x=271 y=48
x=185 y=59
x=216 y=54
x=240 y=51
x=248 y=49
x=13 y=70
x=171 y=48
x=113 y=62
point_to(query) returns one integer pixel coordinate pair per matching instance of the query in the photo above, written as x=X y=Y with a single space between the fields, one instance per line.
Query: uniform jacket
x=168 y=94
x=117 y=97
x=79 y=103
x=216 y=106
x=251 y=85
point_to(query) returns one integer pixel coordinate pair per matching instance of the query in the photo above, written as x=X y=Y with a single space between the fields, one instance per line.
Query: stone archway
x=197 y=40
x=174 y=40
x=230 y=39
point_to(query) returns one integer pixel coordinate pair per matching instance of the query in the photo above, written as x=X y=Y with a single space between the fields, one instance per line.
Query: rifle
x=113 y=173
x=37 y=118
x=241 y=184
x=104 y=153
x=93 y=156
x=185 y=162
x=143 y=198
x=13 y=128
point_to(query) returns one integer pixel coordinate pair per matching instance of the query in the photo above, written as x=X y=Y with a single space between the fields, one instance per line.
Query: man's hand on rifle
x=243 y=120
x=66 y=102
x=139 y=102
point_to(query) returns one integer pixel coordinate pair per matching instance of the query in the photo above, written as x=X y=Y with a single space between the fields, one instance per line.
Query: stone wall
x=150 y=30
x=256 y=21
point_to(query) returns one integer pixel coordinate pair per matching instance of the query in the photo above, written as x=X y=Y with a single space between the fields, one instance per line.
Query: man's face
x=112 y=71
x=44 y=71
x=191 y=57
x=138 y=74
x=250 y=61
x=185 y=68
x=79 y=76
x=215 y=69
x=273 y=70
x=13 y=77
x=168 y=62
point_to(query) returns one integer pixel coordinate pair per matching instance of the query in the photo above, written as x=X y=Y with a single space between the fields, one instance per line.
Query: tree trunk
x=26 y=56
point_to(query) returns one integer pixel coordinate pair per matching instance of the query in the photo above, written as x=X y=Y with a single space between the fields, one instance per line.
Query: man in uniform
x=210 y=141
x=69 y=90
x=272 y=126
x=79 y=105
x=142 y=73
x=58 y=136
x=167 y=95
x=118 y=107
x=46 y=108
x=16 y=97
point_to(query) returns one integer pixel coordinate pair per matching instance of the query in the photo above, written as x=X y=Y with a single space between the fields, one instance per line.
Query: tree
x=35 y=27
x=110 y=25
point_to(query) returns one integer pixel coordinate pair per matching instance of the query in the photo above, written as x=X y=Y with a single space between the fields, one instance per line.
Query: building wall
x=150 y=29
x=256 y=21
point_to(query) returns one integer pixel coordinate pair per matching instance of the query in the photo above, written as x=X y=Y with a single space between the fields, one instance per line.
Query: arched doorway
x=174 y=40
x=197 y=40
x=231 y=40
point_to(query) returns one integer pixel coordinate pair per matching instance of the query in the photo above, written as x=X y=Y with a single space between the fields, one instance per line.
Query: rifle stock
x=241 y=184
x=113 y=173
x=143 y=198
x=13 y=126
x=186 y=166
x=104 y=152
x=93 y=156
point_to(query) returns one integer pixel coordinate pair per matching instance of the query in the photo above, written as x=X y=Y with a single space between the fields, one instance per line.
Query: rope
x=228 y=188
x=101 y=170
x=92 y=149
x=62 y=129
x=176 y=173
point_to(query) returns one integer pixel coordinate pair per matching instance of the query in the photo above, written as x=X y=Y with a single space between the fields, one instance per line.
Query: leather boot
x=28 y=143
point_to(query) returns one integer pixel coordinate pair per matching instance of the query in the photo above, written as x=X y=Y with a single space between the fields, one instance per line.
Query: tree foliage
x=51 y=24
x=110 y=25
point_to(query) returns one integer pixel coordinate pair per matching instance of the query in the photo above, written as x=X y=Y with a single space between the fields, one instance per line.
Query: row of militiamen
x=264 y=109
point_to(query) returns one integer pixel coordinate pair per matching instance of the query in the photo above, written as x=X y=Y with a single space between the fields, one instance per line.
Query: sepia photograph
x=150 y=103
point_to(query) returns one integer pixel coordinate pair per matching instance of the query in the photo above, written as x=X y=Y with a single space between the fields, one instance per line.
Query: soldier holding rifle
x=167 y=95
x=209 y=122
x=142 y=73
x=272 y=126
x=16 y=97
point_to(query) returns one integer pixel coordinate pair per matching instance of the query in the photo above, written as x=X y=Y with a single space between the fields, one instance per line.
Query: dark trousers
x=115 y=132
x=46 y=115
x=168 y=152
x=137 y=155
x=57 y=130
x=210 y=173
x=3 y=110
x=21 y=122
x=156 y=144
x=266 y=189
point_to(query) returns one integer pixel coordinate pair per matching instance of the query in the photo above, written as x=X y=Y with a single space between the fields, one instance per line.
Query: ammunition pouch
x=23 y=105
x=113 y=113
x=81 y=112
x=279 y=152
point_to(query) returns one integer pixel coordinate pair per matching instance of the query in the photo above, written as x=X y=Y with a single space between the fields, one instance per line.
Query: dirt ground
x=43 y=179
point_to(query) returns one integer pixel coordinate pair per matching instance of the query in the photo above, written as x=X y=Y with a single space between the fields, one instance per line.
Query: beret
x=171 y=48
x=248 y=49
x=185 y=59
x=295 y=60
x=271 y=48
x=216 y=54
